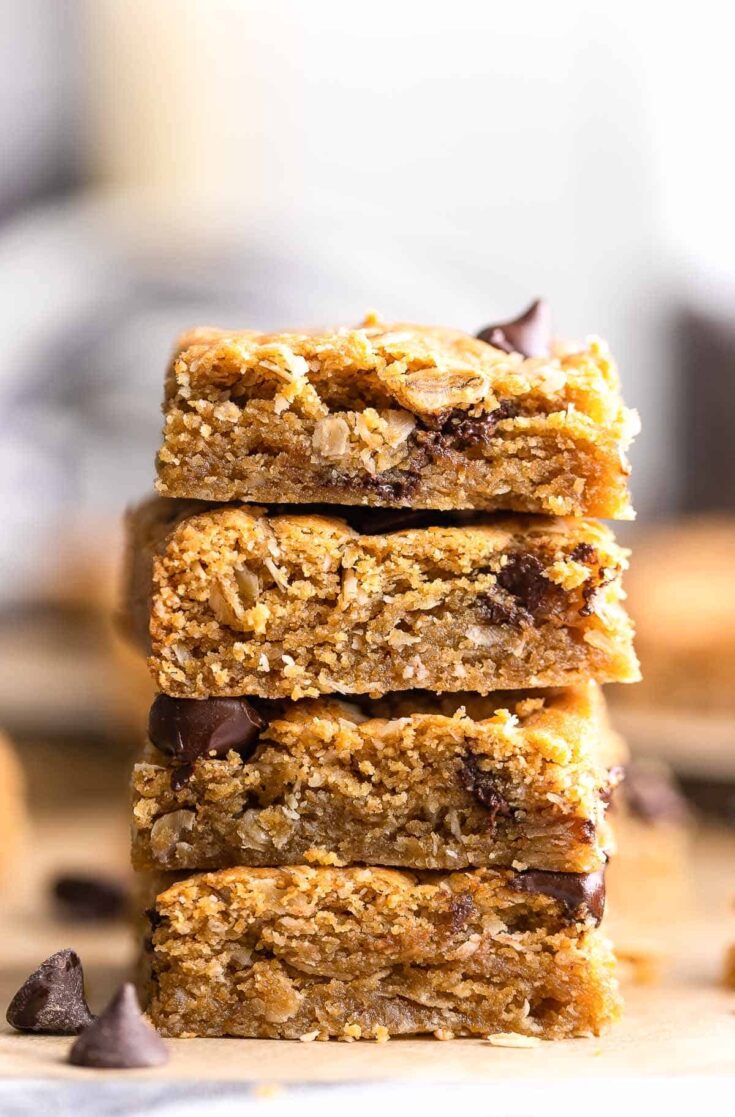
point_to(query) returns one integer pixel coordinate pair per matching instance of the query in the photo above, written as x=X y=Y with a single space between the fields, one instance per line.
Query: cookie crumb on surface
x=512 y=1039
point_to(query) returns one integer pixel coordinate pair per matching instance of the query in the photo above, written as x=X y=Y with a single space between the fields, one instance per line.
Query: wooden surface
x=684 y=1026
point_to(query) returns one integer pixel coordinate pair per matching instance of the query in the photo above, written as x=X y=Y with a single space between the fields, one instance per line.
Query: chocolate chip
x=583 y=552
x=498 y=612
x=461 y=908
x=523 y=578
x=462 y=431
x=391 y=490
x=529 y=335
x=52 y=999
x=482 y=786
x=88 y=898
x=187 y=728
x=581 y=894
x=120 y=1038
x=591 y=589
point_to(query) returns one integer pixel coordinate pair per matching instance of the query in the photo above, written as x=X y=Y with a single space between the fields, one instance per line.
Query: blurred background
x=271 y=163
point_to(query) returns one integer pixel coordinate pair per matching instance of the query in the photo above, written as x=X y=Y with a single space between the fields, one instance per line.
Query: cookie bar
x=682 y=597
x=410 y=780
x=250 y=603
x=396 y=415
x=12 y=807
x=371 y=953
x=648 y=880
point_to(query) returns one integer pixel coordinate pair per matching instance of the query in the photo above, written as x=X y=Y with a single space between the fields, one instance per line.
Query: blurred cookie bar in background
x=681 y=595
x=647 y=881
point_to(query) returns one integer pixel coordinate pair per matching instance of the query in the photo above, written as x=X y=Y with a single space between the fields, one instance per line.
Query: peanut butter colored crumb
x=390 y=415
x=502 y=603
x=308 y=953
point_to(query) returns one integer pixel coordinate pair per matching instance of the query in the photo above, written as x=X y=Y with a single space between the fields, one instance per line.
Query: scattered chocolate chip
x=579 y=893
x=529 y=335
x=120 y=1038
x=188 y=728
x=52 y=1000
x=651 y=796
x=482 y=786
x=523 y=578
x=88 y=898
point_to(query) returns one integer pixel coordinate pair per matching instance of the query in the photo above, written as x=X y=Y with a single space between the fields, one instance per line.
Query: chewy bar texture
x=396 y=415
x=250 y=603
x=372 y=953
x=411 y=780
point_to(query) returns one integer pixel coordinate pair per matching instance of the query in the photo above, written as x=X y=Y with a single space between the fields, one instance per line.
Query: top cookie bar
x=394 y=416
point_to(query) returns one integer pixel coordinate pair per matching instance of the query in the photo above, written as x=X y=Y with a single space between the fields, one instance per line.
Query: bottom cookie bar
x=371 y=953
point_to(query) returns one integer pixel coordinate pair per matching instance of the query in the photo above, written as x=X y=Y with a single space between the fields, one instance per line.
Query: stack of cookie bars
x=373 y=798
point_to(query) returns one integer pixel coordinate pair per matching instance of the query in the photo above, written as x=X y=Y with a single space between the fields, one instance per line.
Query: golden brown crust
x=392 y=415
x=411 y=780
x=360 y=952
x=294 y=606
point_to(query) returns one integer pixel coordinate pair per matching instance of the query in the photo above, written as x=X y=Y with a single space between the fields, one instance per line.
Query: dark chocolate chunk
x=188 y=728
x=581 y=894
x=529 y=335
x=180 y=776
x=583 y=552
x=120 y=1038
x=482 y=786
x=498 y=612
x=462 y=431
x=384 y=521
x=88 y=898
x=395 y=490
x=522 y=576
x=52 y=1000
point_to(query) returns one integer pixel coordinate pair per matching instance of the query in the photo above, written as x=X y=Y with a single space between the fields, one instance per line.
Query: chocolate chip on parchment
x=87 y=899
x=51 y=1000
x=120 y=1038
x=529 y=335
x=579 y=893
x=188 y=728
